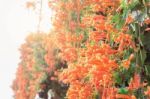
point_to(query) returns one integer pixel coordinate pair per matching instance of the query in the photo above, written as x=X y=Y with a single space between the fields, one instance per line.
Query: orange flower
x=131 y=57
x=122 y=96
x=147 y=29
x=100 y=27
x=126 y=63
x=147 y=21
x=96 y=36
x=98 y=8
x=30 y=5
x=135 y=82
x=98 y=18
x=129 y=19
x=148 y=91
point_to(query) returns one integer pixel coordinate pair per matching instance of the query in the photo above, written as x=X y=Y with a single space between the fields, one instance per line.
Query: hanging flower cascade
x=97 y=49
x=95 y=39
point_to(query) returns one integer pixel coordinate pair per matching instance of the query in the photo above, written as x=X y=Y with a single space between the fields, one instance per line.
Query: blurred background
x=16 y=22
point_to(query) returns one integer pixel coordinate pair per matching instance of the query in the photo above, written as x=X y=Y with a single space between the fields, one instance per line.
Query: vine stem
x=40 y=17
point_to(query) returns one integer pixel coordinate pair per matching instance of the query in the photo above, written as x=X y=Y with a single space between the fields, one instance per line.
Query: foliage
x=36 y=67
x=100 y=48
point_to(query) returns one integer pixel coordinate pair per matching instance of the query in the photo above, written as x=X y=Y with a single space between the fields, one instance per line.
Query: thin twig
x=40 y=17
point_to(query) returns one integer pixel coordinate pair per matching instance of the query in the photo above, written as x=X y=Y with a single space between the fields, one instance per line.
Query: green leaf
x=117 y=77
x=134 y=4
x=137 y=27
x=141 y=39
x=146 y=40
x=147 y=70
x=96 y=95
x=143 y=56
x=92 y=43
x=123 y=91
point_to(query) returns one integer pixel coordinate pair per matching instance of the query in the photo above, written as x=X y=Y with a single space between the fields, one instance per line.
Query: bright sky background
x=16 y=22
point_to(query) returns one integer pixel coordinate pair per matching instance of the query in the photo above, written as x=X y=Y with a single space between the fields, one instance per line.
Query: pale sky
x=16 y=22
